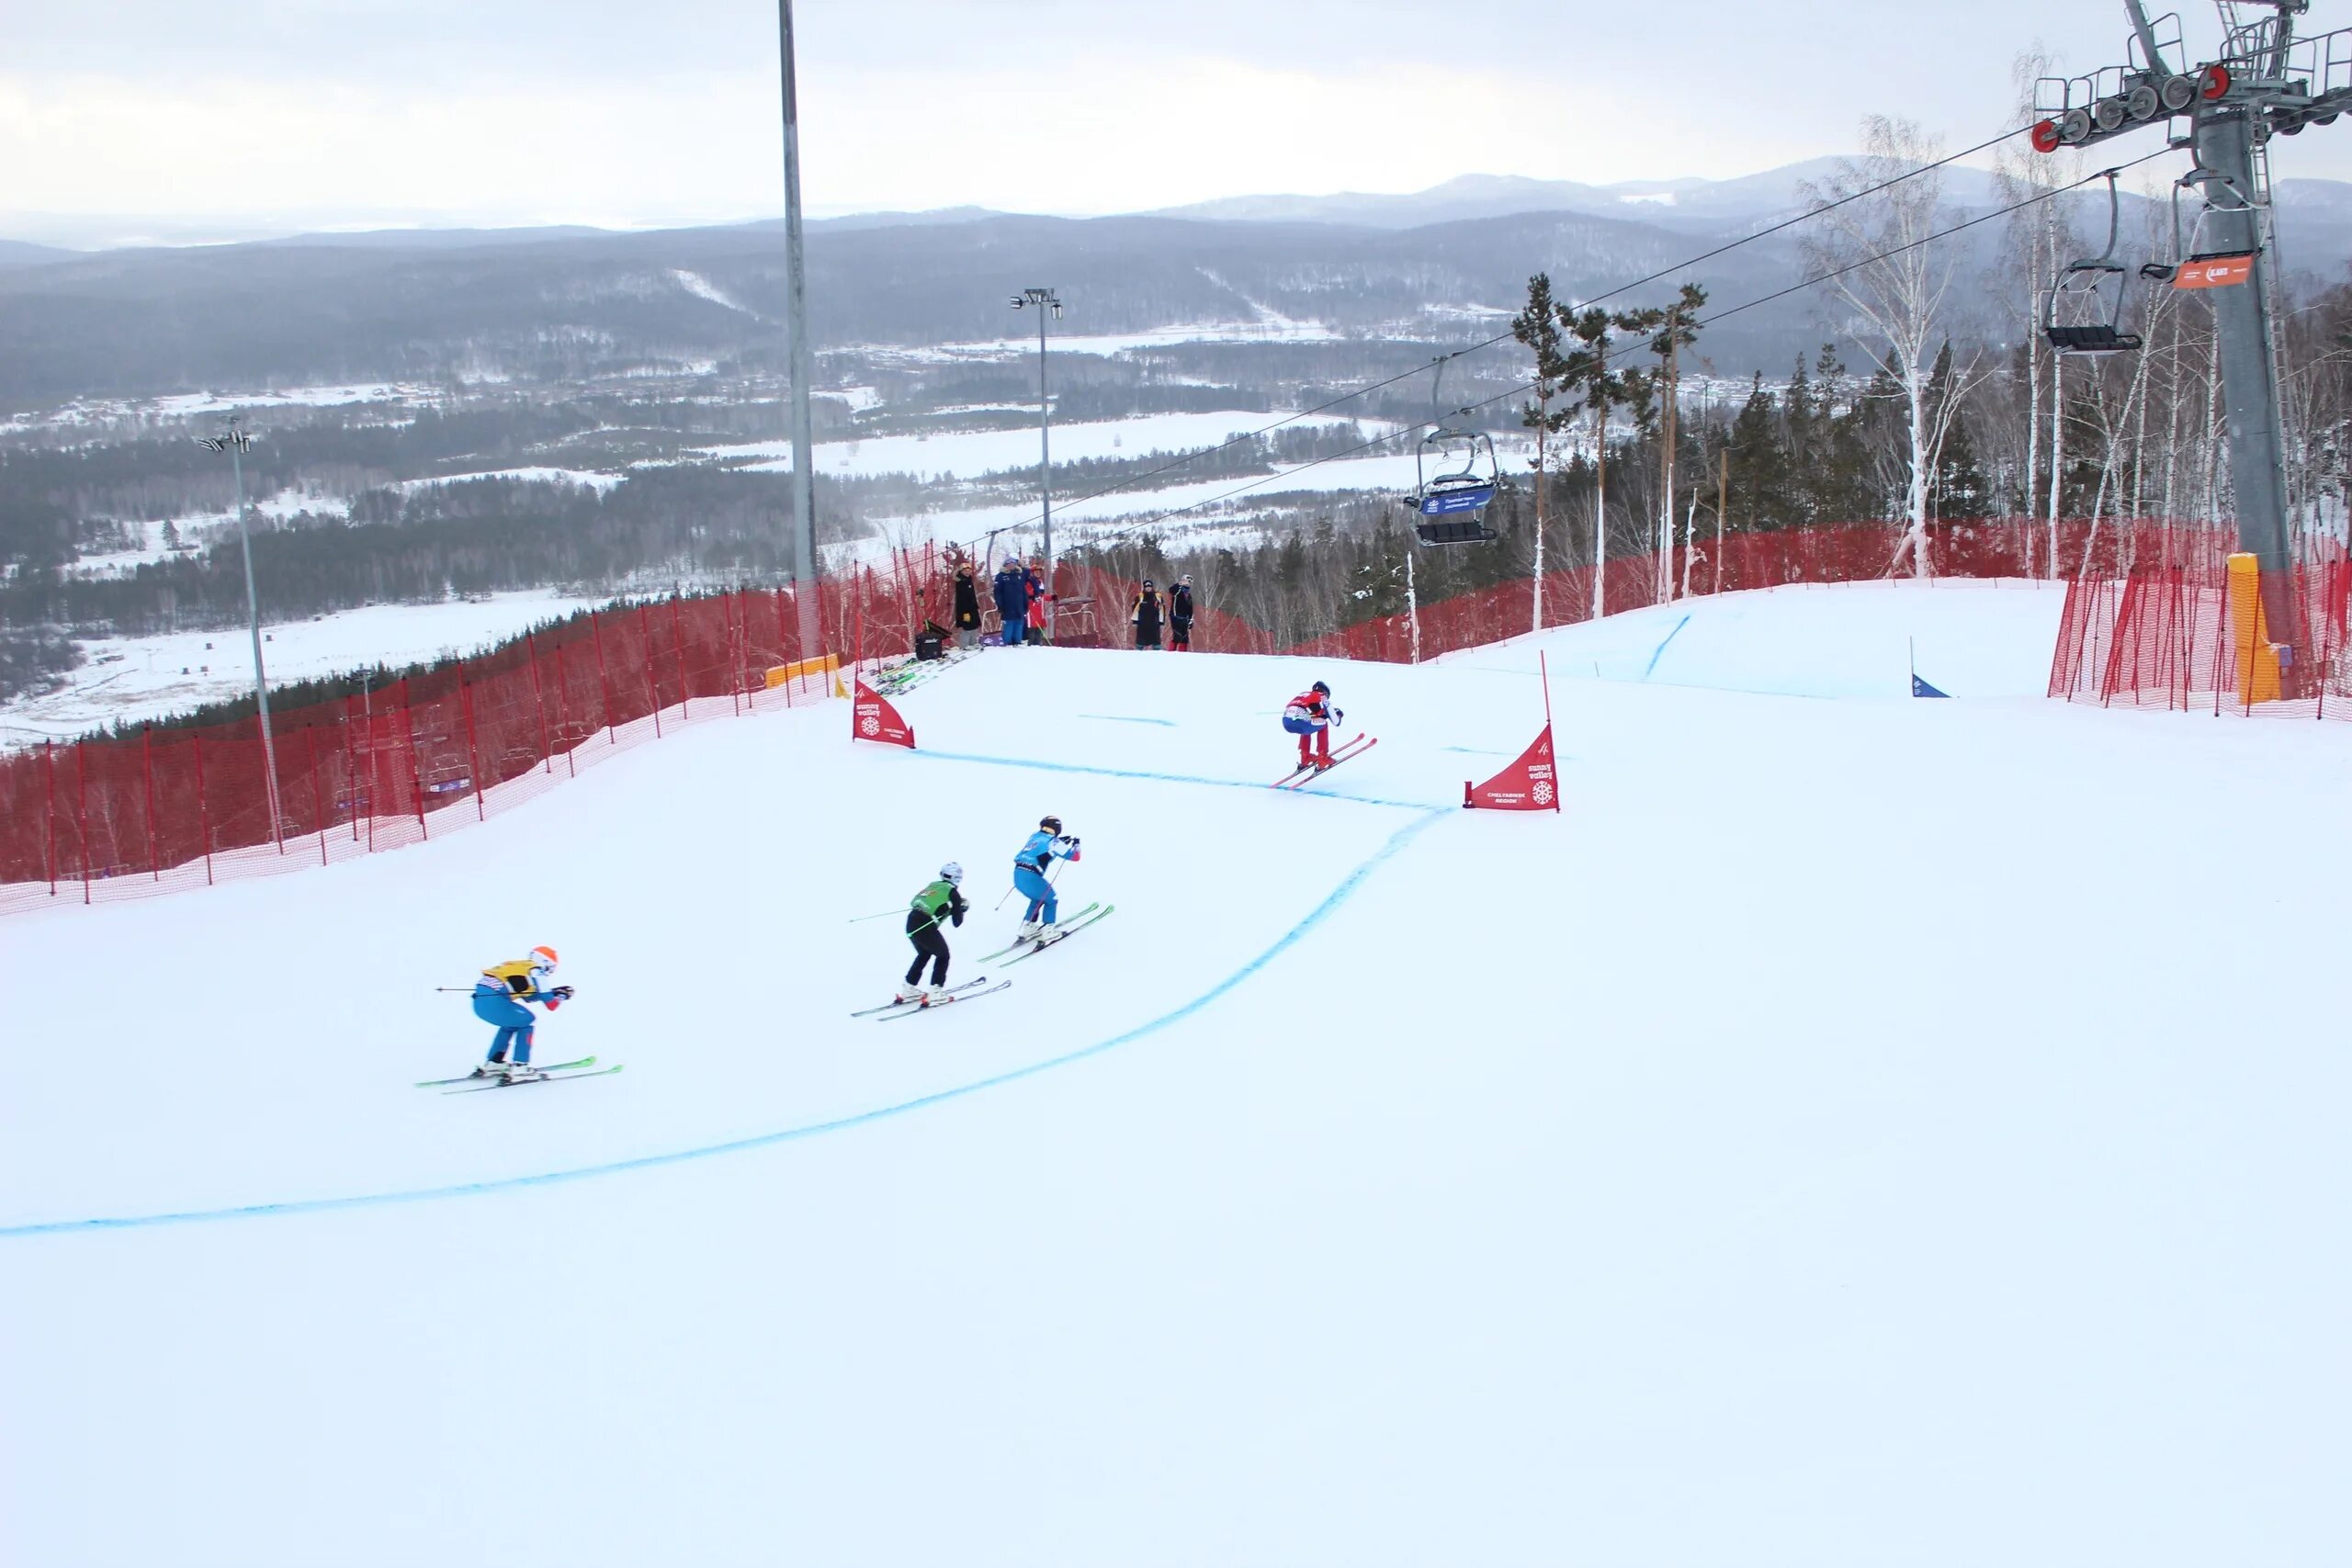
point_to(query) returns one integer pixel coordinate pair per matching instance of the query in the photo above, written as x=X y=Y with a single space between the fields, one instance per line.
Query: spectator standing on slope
x=967 y=607
x=1039 y=596
x=1011 y=589
x=1179 y=615
x=1144 y=615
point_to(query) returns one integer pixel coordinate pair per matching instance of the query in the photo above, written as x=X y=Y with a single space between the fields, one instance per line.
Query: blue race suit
x=498 y=998
x=1029 y=870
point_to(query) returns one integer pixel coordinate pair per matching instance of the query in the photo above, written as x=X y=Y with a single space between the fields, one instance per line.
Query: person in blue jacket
x=1029 y=877
x=1011 y=590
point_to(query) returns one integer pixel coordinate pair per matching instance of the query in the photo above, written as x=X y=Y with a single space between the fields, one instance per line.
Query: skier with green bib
x=940 y=902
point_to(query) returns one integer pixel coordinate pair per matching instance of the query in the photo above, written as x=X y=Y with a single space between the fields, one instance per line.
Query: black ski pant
x=1183 y=633
x=931 y=947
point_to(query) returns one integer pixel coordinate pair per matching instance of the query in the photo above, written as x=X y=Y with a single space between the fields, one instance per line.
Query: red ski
x=1298 y=778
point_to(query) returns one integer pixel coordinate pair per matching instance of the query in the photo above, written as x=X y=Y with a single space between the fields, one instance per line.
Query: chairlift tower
x=2266 y=82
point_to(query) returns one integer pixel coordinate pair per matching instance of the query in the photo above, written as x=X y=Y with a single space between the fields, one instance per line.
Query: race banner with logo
x=873 y=718
x=1532 y=784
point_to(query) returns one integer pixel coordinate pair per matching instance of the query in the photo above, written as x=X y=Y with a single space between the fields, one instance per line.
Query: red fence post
x=563 y=684
x=147 y=767
x=539 y=702
x=81 y=816
x=203 y=805
x=603 y=677
x=678 y=646
x=473 y=749
x=318 y=799
x=48 y=775
x=653 y=681
x=415 y=765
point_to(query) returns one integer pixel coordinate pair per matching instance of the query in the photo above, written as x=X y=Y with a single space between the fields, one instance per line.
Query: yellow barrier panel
x=800 y=669
x=2257 y=656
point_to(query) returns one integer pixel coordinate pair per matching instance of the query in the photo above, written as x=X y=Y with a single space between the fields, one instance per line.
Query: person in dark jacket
x=1011 y=590
x=968 y=608
x=1144 y=615
x=1179 y=615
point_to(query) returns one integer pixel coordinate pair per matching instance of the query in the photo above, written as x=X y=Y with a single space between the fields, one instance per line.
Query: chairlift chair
x=1454 y=478
x=2082 y=314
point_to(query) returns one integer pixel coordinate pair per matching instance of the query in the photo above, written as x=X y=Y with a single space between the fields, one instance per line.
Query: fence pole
x=318 y=800
x=415 y=762
x=737 y=658
x=653 y=681
x=359 y=766
x=473 y=747
x=203 y=804
x=564 y=688
x=678 y=645
x=603 y=677
x=49 y=816
x=539 y=703
x=81 y=816
x=147 y=767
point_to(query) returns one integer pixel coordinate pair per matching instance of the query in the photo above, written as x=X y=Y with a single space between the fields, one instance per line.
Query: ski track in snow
x=1427 y=816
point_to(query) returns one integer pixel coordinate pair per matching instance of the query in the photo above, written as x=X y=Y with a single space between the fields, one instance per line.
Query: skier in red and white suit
x=1310 y=716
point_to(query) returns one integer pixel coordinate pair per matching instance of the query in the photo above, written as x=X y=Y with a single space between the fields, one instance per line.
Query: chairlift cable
x=1525 y=387
x=1682 y=266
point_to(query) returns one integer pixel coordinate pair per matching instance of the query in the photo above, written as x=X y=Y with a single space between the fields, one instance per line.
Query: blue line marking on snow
x=1473 y=750
x=1129 y=718
x=1660 y=652
x=1167 y=778
x=1312 y=919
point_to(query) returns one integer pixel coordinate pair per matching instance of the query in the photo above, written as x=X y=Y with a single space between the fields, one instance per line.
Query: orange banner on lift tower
x=2213 y=271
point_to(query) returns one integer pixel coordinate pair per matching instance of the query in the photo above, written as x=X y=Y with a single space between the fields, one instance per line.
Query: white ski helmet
x=951 y=873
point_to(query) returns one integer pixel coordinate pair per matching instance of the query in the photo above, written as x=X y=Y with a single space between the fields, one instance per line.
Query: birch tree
x=1891 y=284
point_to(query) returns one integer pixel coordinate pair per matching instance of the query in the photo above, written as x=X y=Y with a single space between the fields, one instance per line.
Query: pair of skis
x=969 y=990
x=554 y=1072
x=975 y=988
x=1029 y=947
x=1298 y=778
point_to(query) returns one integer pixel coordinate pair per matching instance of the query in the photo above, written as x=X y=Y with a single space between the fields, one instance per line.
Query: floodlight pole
x=236 y=441
x=803 y=362
x=1045 y=299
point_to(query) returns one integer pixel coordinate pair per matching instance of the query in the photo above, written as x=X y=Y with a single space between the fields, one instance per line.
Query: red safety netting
x=2171 y=635
x=178 y=808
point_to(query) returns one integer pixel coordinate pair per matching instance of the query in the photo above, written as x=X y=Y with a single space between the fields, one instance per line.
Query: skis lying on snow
x=1077 y=923
x=1298 y=777
x=892 y=1007
x=537 y=1077
x=1074 y=920
x=470 y=1077
x=959 y=994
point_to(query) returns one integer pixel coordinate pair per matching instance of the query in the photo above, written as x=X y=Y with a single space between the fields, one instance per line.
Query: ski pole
x=1051 y=872
x=883 y=915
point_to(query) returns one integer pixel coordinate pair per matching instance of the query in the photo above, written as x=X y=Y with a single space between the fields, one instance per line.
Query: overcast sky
x=121 y=118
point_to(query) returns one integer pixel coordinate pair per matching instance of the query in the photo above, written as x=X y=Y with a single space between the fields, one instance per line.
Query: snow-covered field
x=128 y=680
x=969 y=453
x=1858 y=1131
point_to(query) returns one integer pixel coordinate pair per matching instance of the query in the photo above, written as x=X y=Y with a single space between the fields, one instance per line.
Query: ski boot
x=1047 y=934
x=937 y=995
x=907 y=994
x=522 y=1072
x=1028 y=929
x=490 y=1069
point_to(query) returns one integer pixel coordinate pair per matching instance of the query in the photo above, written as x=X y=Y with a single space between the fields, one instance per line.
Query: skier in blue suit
x=1029 y=875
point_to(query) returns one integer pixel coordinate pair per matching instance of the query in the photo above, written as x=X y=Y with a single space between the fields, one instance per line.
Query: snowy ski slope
x=1858 y=1131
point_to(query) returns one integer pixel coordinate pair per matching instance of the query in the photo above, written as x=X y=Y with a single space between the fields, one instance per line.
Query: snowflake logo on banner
x=1543 y=795
x=870 y=726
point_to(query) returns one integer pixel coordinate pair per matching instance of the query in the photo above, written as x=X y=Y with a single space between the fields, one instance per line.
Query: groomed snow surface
x=1858 y=1131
